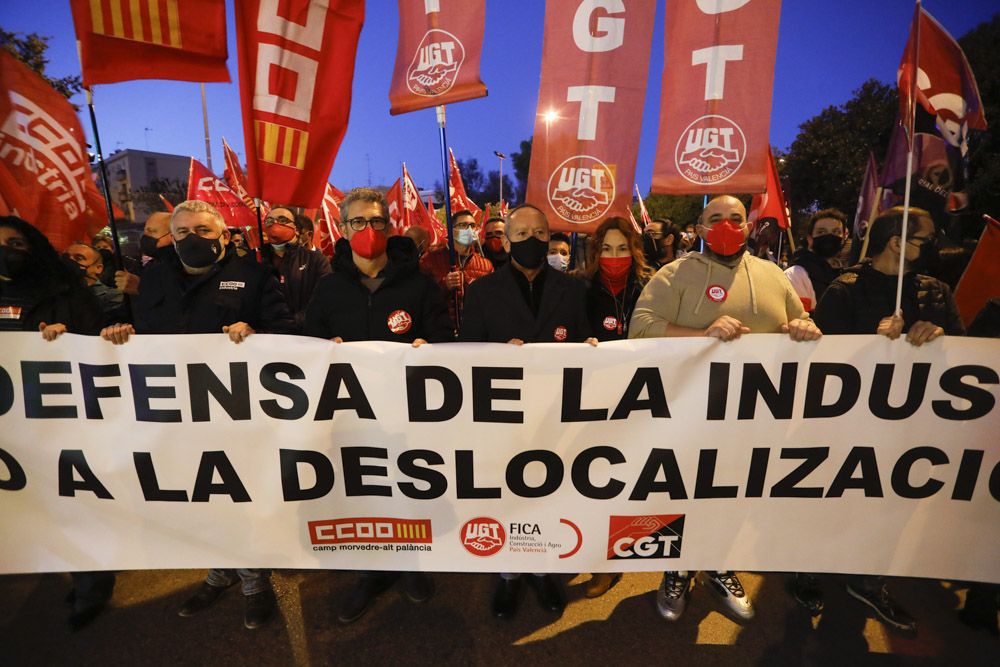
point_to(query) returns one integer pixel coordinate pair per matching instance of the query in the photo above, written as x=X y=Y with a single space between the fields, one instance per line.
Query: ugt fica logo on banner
x=710 y=150
x=581 y=189
x=436 y=64
x=649 y=536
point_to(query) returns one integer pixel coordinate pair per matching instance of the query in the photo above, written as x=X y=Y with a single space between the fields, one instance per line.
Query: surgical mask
x=280 y=247
x=198 y=252
x=13 y=261
x=828 y=245
x=558 y=262
x=466 y=236
x=530 y=252
x=725 y=239
x=369 y=243
x=614 y=269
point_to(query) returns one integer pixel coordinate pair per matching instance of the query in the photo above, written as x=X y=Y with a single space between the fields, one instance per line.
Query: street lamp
x=502 y=158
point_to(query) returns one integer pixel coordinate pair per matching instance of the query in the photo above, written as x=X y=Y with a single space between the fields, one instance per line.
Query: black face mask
x=828 y=245
x=78 y=269
x=198 y=252
x=13 y=261
x=529 y=253
x=106 y=255
x=147 y=246
x=928 y=258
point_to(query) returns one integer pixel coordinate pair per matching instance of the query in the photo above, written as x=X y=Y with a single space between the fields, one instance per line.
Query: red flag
x=944 y=86
x=394 y=196
x=503 y=208
x=326 y=232
x=205 y=186
x=867 y=198
x=715 y=111
x=631 y=218
x=643 y=213
x=296 y=70
x=456 y=189
x=437 y=55
x=770 y=204
x=122 y=40
x=595 y=61
x=43 y=155
x=414 y=212
x=235 y=177
x=981 y=280
x=430 y=208
x=170 y=207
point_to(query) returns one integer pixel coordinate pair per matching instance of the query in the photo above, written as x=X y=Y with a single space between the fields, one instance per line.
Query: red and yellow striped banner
x=150 y=21
x=280 y=144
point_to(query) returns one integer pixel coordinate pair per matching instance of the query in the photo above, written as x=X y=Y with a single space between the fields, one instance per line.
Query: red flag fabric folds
x=122 y=40
x=867 y=198
x=770 y=204
x=595 y=61
x=394 y=197
x=414 y=212
x=44 y=170
x=456 y=189
x=205 y=186
x=981 y=280
x=715 y=111
x=296 y=70
x=326 y=232
x=437 y=56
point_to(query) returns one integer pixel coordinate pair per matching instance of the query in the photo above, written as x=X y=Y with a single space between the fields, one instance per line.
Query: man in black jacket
x=526 y=301
x=376 y=292
x=811 y=272
x=206 y=288
x=862 y=301
x=298 y=266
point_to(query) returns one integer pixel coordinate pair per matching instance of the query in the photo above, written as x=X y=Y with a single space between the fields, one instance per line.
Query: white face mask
x=558 y=262
x=466 y=237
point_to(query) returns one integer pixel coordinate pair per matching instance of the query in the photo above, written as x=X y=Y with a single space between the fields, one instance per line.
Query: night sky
x=826 y=50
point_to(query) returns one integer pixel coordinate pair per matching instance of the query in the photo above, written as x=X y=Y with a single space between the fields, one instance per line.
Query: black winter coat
x=299 y=271
x=857 y=300
x=233 y=290
x=608 y=314
x=495 y=310
x=72 y=305
x=821 y=273
x=406 y=306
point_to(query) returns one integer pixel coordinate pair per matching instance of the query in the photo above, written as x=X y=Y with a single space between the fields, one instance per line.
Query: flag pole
x=445 y=164
x=204 y=117
x=910 y=121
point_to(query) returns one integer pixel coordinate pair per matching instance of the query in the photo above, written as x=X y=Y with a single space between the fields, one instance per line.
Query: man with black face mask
x=526 y=301
x=154 y=244
x=811 y=272
x=89 y=264
x=722 y=293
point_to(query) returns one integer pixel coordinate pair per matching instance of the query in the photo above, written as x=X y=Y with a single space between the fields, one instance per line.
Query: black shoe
x=505 y=598
x=259 y=609
x=418 y=586
x=83 y=616
x=885 y=608
x=806 y=590
x=980 y=610
x=549 y=592
x=369 y=587
x=204 y=597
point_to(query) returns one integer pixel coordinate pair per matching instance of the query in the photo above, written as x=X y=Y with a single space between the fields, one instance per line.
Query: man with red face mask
x=722 y=293
x=493 y=233
x=376 y=292
x=298 y=267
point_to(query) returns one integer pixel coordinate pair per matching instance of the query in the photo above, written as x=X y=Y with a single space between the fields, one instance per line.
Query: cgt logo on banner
x=649 y=536
x=582 y=189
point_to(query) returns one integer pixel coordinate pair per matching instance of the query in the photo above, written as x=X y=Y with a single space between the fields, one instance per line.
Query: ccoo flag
x=595 y=61
x=715 y=111
x=205 y=186
x=122 y=40
x=437 y=56
x=296 y=69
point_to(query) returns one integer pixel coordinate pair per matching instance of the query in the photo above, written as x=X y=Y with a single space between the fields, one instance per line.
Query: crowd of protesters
x=507 y=280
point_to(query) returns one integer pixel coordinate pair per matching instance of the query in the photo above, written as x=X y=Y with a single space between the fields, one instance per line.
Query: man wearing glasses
x=298 y=266
x=469 y=265
x=376 y=292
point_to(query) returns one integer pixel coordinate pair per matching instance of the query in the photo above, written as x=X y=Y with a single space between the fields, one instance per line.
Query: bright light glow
x=550 y=115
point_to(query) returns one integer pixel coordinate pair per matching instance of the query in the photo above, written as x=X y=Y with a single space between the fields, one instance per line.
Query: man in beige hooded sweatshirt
x=723 y=293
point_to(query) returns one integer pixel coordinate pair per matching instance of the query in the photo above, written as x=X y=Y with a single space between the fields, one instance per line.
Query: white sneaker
x=671 y=599
x=727 y=586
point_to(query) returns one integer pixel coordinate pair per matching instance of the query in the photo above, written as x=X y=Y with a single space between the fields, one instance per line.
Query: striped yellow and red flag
x=123 y=40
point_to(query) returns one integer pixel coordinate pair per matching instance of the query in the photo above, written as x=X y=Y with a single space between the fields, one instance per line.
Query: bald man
x=90 y=264
x=154 y=244
x=723 y=293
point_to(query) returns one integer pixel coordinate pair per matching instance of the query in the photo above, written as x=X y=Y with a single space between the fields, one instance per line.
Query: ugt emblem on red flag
x=296 y=68
x=122 y=40
x=42 y=155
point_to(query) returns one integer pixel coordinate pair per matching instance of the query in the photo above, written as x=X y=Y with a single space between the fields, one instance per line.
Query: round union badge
x=716 y=293
x=399 y=322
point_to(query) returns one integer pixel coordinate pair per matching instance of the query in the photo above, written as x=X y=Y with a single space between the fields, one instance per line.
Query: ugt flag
x=44 y=170
x=437 y=55
x=296 y=69
x=122 y=40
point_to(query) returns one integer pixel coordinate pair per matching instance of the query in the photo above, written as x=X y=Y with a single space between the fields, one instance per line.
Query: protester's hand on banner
x=726 y=328
x=117 y=334
x=801 y=329
x=127 y=282
x=418 y=342
x=238 y=332
x=591 y=341
x=515 y=341
x=923 y=332
x=890 y=327
x=52 y=331
x=337 y=339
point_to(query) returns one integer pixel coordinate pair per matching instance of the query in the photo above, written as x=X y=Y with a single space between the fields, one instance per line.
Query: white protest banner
x=852 y=454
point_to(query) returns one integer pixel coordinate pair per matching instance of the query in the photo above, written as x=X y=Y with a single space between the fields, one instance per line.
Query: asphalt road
x=140 y=626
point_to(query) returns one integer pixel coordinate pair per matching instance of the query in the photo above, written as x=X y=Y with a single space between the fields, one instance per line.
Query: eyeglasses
x=377 y=224
x=495 y=234
x=280 y=220
x=655 y=235
x=466 y=225
x=922 y=239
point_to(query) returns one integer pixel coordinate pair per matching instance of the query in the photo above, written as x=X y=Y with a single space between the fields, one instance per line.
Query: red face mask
x=615 y=269
x=368 y=243
x=279 y=233
x=494 y=244
x=725 y=238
